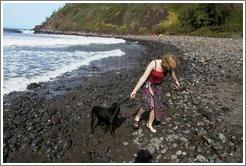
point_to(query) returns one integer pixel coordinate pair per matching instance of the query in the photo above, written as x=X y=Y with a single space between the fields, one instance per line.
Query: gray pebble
x=173 y=157
x=201 y=158
x=178 y=153
x=151 y=149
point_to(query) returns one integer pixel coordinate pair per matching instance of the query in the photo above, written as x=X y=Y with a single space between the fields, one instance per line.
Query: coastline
x=56 y=129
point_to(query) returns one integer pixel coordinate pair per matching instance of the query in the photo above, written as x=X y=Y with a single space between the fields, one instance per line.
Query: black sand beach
x=203 y=123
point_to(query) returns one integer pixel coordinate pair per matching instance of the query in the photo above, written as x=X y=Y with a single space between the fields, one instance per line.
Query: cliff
x=195 y=19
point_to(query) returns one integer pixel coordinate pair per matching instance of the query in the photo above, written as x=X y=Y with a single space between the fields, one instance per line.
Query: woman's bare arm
x=175 y=79
x=144 y=77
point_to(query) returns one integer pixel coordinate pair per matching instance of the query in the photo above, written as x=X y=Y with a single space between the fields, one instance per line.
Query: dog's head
x=115 y=107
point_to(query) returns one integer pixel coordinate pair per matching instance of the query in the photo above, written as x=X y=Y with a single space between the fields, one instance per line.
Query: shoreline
x=130 y=37
x=96 y=66
x=57 y=129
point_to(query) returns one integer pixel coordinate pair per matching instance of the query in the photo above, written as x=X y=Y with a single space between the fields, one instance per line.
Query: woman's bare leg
x=151 y=114
x=140 y=112
x=151 y=120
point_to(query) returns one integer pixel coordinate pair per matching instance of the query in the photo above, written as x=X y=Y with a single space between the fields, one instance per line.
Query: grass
x=140 y=19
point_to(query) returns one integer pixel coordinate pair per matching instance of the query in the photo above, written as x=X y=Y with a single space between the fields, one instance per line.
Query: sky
x=27 y=15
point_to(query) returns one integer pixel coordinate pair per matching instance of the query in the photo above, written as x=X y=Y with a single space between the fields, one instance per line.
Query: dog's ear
x=114 y=107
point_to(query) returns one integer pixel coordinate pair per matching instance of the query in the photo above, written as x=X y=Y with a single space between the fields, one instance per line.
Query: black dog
x=107 y=116
x=143 y=156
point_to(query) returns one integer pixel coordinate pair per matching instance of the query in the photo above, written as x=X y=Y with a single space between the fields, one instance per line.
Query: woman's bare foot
x=137 y=118
x=136 y=122
x=151 y=128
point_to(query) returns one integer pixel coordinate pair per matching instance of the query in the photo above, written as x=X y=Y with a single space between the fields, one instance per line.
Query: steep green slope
x=196 y=19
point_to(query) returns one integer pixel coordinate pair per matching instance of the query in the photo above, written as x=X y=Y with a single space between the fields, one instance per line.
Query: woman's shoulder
x=151 y=64
x=155 y=60
x=154 y=63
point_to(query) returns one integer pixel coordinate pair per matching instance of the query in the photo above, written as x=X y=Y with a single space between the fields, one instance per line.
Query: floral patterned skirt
x=152 y=99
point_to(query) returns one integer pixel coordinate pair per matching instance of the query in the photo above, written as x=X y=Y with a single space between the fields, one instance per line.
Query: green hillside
x=221 y=20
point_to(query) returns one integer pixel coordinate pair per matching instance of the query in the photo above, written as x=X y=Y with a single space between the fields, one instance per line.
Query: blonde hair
x=169 y=61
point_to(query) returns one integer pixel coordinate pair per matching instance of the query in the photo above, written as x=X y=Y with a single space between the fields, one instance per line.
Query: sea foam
x=44 y=40
x=20 y=83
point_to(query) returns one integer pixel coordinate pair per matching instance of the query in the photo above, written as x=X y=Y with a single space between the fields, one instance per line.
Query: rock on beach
x=203 y=123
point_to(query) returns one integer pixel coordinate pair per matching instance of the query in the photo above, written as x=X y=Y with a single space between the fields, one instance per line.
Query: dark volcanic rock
x=202 y=122
x=33 y=86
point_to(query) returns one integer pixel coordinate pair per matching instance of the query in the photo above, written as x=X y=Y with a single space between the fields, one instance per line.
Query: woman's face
x=164 y=66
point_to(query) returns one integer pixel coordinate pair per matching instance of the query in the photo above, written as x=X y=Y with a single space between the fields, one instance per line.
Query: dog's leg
x=112 y=126
x=112 y=129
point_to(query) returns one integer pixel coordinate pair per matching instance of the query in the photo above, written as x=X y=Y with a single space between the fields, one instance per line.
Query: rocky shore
x=203 y=122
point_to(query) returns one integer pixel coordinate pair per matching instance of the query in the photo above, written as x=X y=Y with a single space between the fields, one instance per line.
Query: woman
x=151 y=97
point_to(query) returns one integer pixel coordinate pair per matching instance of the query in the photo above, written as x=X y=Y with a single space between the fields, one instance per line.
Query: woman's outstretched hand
x=177 y=85
x=133 y=94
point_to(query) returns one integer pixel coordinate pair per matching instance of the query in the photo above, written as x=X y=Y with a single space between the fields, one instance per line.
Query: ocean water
x=29 y=57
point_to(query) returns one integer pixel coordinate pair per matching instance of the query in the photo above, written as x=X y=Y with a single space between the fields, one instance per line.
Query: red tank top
x=155 y=76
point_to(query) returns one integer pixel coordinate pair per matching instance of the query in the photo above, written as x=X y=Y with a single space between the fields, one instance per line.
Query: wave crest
x=20 y=83
x=44 y=40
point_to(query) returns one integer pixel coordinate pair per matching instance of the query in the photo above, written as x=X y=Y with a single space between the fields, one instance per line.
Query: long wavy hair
x=168 y=61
